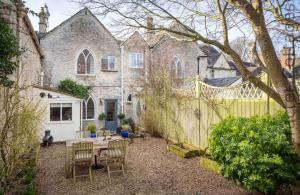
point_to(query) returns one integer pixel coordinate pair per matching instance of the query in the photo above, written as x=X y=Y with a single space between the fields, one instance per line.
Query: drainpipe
x=80 y=115
x=122 y=79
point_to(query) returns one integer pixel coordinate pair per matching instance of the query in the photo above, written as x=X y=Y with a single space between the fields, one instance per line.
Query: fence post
x=199 y=116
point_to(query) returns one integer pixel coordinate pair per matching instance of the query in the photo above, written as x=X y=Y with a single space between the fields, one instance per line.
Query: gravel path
x=151 y=170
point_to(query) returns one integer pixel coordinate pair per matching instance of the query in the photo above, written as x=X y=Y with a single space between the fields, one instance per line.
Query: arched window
x=85 y=62
x=178 y=67
x=88 y=109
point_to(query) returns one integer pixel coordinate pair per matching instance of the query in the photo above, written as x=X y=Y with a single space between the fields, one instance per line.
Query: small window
x=178 y=67
x=212 y=74
x=108 y=63
x=129 y=98
x=60 y=112
x=136 y=60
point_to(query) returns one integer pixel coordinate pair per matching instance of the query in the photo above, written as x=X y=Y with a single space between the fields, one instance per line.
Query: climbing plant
x=73 y=88
x=9 y=50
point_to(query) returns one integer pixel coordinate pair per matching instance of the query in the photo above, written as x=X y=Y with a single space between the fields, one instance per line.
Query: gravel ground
x=150 y=170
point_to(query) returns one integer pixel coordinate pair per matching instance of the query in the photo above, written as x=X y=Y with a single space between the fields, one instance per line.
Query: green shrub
x=257 y=151
x=102 y=117
x=125 y=127
x=71 y=87
x=131 y=123
x=91 y=127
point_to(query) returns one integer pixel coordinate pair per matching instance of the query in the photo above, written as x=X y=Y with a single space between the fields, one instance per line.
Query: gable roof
x=136 y=33
x=79 y=12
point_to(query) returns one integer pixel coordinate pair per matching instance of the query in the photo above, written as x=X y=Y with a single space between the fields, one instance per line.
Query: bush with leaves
x=73 y=88
x=257 y=151
x=9 y=49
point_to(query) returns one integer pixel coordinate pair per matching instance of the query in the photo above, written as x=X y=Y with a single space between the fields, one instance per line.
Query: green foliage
x=92 y=128
x=121 y=116
x=73 y=88
x=130 y=122
x=102 y=117
x=256 y=151
x=125 y=127
x=9 y=49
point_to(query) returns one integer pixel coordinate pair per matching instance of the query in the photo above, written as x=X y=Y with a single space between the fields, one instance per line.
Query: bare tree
x=214 y=23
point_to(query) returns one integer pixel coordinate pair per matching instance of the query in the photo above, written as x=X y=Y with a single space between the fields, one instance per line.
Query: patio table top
x=98 y=143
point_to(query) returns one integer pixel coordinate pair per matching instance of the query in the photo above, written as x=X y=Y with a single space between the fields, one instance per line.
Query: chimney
x=285 y=57
x=43 y=16
x=150 y=26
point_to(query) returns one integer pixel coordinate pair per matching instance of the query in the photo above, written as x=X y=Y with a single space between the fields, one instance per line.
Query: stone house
x=83 y=50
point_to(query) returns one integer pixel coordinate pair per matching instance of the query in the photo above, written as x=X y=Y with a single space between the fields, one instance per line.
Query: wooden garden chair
x=116 y=155
x=82 y=155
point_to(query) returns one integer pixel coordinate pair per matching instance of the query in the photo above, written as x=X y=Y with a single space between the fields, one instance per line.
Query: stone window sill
x=104 y=70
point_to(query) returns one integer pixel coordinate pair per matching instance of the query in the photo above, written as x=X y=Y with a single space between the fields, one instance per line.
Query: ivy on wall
x=9 y=49
x=73 y=88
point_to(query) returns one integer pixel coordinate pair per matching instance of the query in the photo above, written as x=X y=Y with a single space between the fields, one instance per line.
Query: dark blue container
x=124 y=133
x=93 y=135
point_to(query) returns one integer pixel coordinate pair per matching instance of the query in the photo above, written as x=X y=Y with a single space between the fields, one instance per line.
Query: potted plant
x=121 y=116
x=102 y=118
x=92 y=128
x=125 y=130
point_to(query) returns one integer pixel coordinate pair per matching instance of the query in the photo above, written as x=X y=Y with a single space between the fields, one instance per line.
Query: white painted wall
x=60 y=130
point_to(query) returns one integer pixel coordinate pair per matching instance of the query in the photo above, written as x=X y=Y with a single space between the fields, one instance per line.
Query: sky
x=60 y=10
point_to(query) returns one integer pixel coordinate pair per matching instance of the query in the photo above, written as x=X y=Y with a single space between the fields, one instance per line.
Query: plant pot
x=93 y=135
x=124 y=133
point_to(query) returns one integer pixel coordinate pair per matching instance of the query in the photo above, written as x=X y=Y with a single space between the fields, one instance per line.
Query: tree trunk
x=281 y=83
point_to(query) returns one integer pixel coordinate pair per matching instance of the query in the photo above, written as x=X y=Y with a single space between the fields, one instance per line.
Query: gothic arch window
x=85 y=62
x=88 y=109
x=178 y=68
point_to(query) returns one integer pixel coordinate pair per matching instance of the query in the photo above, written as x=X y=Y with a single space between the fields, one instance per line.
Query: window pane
x=140 y=60
x=110 y=111
x=86 y=52
x=90 y=64
x=111 y=62
x=67 y=112
x=104 y=64
x=54 y=112
x=81 y=64
x=90 y=109
x=83 y=110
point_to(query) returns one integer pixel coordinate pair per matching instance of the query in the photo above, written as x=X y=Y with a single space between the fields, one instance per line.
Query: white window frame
x=86 y=101
x=60 y=106
x=135 y=56
x=86 y=57
x=110 y=58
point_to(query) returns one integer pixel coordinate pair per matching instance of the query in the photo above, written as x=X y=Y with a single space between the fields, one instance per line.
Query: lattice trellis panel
x=241 y=91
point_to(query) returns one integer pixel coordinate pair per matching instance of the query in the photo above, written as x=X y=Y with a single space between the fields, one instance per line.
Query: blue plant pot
x=124 y=133
x=93 y=135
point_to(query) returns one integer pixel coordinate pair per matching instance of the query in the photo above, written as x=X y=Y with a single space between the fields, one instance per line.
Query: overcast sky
x=59 y=10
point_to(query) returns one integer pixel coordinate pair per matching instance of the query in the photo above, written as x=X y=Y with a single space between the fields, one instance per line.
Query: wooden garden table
x=98 y=144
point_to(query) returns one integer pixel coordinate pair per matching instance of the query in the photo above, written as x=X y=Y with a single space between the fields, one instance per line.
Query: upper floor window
x=178 y=67
x=88 y=109
x=85 y=62
x=108 y=63
x=136 y=60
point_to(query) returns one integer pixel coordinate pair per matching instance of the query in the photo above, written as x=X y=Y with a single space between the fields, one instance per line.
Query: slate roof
x=222 y=82
x=211 y=52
